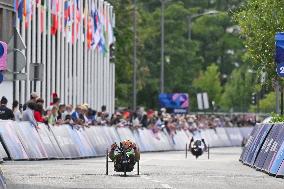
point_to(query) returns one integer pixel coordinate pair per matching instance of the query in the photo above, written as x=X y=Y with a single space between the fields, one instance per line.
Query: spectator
x=67 y=114
x=5 y=112
x=91 y=115
x=144 y=120
x=83 y=115
x=56 y=102
x=135 y=121
x=28 y=114
x=38 y=113
x=33 y=98
x=40 y=101
x=17 y=111
x=52 y=118
x=76 y=116
x=61 y=110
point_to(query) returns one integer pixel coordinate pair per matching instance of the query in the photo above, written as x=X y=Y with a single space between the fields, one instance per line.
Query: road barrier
x=21 y=141
x=264 y=149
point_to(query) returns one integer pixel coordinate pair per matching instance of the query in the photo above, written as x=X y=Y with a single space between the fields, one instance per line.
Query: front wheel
x=107 y=162
x=124 y=170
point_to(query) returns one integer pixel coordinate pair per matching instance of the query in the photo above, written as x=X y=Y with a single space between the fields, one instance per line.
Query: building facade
x=76 y=62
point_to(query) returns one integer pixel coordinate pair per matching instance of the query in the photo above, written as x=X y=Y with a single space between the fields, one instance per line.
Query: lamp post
x=134 y=59
x=191 y=17
x=162 y=76
x=162 y=46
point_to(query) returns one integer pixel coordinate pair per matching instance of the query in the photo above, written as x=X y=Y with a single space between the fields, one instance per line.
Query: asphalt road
x=158 y=170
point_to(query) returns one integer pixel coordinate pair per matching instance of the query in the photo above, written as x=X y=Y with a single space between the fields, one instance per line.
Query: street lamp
x=162 y=77
x=191 y=17
x=134 y=58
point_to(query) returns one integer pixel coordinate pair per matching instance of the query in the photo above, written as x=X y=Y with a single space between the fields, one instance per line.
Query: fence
x=21 y=141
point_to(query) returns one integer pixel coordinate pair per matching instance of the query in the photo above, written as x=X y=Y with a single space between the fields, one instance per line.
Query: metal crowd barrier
x=21 y=141
x=264 y=149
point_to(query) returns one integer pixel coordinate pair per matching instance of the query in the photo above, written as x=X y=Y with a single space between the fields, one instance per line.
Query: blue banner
x=277 y=160
x=281 y=170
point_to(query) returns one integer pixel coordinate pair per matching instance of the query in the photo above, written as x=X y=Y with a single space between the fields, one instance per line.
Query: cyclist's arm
x=136 y=153
x=205 y=146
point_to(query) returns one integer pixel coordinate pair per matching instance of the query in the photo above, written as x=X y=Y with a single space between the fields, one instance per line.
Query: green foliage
x=267 y=104
x=276 y=118
x=238 y=90
x=209 y=81
x=211 y=47
x=259 y=21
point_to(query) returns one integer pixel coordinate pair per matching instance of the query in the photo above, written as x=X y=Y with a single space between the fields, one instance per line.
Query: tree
x=267 y=104
x=124 y=36
x=209 y=81
x=187 y=58
x=259 y=21
x=238 y=90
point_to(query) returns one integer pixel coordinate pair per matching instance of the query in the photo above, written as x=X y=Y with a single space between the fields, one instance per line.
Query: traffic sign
x=20 y=61
x=280 y=69
x=19 y=42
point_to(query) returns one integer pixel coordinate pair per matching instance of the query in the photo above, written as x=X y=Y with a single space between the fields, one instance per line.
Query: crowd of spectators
x=84 y=116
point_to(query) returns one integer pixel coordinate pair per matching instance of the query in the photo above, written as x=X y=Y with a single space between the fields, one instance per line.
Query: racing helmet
x=126 y=144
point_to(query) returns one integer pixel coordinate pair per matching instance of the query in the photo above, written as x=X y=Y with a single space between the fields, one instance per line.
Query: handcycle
x=123 y=163
x=197 y=148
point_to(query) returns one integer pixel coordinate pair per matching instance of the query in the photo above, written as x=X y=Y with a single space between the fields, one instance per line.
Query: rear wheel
x=138 y=166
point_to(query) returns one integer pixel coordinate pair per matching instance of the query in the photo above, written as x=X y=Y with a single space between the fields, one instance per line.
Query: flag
x=54 y=16
x=96 y=26
x=42 y=11
x=110 y=33
x=19 y=8
x=89 y=32
x=67 y=12
x=27 y=11
x=77 y=20
x=102 y=43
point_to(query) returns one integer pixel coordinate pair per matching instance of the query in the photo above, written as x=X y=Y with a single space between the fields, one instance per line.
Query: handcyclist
x=132 y=153
x=197 y=147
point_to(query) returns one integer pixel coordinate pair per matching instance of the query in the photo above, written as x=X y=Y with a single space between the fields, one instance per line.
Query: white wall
x=78 y=74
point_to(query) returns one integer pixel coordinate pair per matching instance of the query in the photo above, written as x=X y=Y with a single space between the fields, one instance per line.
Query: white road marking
x=156 y=181
x=216 y=176
x=166 y=186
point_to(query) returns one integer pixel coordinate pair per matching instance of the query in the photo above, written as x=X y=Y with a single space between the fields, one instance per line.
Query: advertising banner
x=266 y=147
x=278 y=140
x=174 y=103
x=259 y=140
x=250 y=142
x=11 y=141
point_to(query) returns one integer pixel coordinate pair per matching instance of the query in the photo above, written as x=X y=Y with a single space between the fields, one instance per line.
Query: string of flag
x=96 y=24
